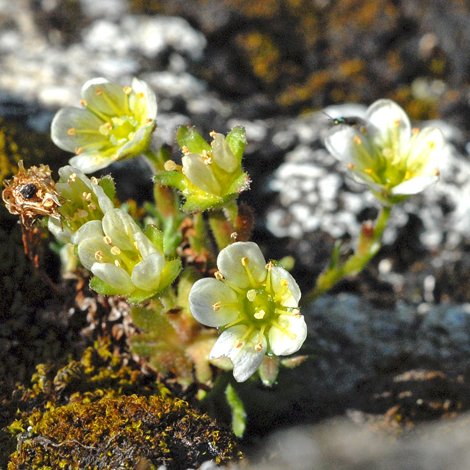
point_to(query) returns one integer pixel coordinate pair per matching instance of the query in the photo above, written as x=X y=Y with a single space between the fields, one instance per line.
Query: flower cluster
x=386 y=154
x=210 y=175
x=115 y=123
x=257 y=303
x=85 y=200
x=124 y=260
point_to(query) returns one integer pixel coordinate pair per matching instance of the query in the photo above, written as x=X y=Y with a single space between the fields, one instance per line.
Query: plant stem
x=368 y=247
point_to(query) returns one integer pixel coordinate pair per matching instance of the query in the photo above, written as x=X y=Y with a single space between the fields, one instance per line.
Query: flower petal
x=105 y=97
x=290 y=296
x=223 y=155
x=92 y=229
x=77 y=119
x=246 y=359
x=146 y=274
x=91 y=161
x=89 y=247
x=204 y=294
x=59 y=231
x=391 y=125
x=230 y=265
x=114 y=276
x=200 y=174
x=414 y=185
x=149 y=111
x=426 y=150
x=282 y=344
x=120 y=227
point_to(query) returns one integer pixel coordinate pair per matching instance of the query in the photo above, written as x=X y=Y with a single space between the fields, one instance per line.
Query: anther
x=94 y=180
x=284 y=283
x=81 y=213
x=213 y=134
x=251 y=295
x=107 y=239
x=71 y=131
x=98 y=255
x=216 y=307
x=108 y=126
x=148 y=120
x=260 y=314
x=431 y=144
x=117 y=263
x=351 y=166
x=78 y=150
x=296 y=312
x=357 y=140
x=140 y=95
x=72 y=178
x=83 y=103
x=170 y=165
x=238 y=344
x=86 y=196
x=218 y=275
x=234 y=235
x=136 y=245
x=115 y=251
x=436 y=172
x=185 y=150
x=258 y=347
x=368 y=171
x=269 y=266
x=127 y=90
x=245 y=261
x=99 y=92
x=415 y=131
x=91 y=207
x=408 y=175
x=396 y=122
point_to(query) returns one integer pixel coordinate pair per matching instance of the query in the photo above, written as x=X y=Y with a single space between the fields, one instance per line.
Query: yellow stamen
x=357 y=140
x=408 y=175
x=78 y=150
x=117 y=263
x=238 y=344
x=86 y=196
x=258 y=347
x=260 y=315
x=95 y=180
x=98 y=255
x=218 y=275
x=99 y=92
x=351 y=166
x=72 y=178
x=107 y=240
x=368 y=171
x=216 y=306
x=431 y=144
x=213 y=134
x=115 y=251
x=127 y=90
x=436 y=172
x=71 y=131
x=170 y=165
x=83 y=103
x=81 y=213
x=415 y=131
x=396 y=123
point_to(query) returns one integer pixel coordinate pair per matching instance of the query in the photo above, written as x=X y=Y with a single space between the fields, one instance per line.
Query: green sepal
x=187 y=136
x=109 y=188
x=195 y=204
x=172 y=178
x=236 y=140
x=155 y=236
x=238 y=411
x=242 y=183
x=102 y=287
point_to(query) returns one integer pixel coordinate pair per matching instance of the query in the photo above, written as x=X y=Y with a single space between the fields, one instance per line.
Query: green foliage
x=238 y=411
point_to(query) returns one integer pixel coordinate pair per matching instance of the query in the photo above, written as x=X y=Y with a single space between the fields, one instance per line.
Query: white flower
x=117 y=251
x=85 y=200
x=115 y=123
x=257 y=303
x=386 y=154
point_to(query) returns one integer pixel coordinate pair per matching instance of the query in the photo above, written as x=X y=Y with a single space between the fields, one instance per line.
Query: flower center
x=120 y=130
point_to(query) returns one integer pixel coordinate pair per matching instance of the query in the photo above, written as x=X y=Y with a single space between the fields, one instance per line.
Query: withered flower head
x=31 y=193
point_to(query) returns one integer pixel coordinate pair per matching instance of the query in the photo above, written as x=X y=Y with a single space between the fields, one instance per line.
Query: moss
x=119 y=432
x=93 y=392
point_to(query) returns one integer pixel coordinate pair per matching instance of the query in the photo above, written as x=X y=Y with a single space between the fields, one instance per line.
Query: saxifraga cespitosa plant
x=194 y=257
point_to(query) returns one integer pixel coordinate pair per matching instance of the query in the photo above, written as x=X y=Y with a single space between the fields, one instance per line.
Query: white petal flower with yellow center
x=255 y=302
x=120 y=255
x=114 y=123
x=385 y=153
x=85 y=200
